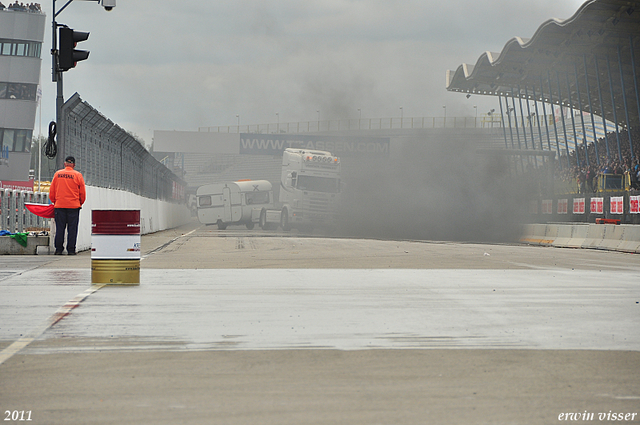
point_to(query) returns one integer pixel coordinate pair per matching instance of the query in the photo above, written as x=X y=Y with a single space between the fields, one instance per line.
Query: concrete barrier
x=595 y=235
x=533 y=233
x=551 y=233
x=9 y=246
x=612 y=237
x=578 y=235
x=625 y=237
x=155 y=215
x=630 y=240
x=564 y=236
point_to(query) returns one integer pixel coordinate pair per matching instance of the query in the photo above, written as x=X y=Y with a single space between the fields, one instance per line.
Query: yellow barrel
x=115 y=272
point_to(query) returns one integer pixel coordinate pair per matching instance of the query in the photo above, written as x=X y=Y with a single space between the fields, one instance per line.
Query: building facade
x=21 y=38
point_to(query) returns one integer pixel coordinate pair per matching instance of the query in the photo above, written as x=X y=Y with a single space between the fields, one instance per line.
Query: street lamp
x=445 y=115
x=476 y=122
x=238 y=117
x=318 y=111
x=401 y=116
x=278 y=126
x=359 y=117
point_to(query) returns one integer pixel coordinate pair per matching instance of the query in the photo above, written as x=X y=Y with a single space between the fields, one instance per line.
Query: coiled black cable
x=50 y=148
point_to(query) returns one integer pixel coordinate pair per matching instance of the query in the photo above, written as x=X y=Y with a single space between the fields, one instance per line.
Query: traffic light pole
x=57 y=78
x=56 y=75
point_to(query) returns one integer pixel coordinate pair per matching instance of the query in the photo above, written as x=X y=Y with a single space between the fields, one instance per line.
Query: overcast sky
x=184 y=64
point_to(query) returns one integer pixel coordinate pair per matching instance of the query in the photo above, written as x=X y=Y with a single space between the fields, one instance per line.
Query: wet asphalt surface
x=204 y=291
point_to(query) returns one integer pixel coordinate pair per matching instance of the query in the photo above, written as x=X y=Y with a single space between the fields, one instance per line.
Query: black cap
x=70 y=159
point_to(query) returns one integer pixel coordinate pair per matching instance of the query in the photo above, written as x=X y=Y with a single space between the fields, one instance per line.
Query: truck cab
x=310 y=188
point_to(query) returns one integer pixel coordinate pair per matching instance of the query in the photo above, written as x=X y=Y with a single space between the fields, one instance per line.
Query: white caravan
x=237 y=202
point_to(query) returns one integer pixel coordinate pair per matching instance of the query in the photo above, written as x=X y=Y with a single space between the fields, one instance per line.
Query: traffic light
x=68 y=56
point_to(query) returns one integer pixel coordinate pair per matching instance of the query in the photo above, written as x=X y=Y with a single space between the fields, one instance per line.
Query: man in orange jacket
x=67 y=192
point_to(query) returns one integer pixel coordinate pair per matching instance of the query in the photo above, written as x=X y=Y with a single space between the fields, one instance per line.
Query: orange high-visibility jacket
x=67 y=189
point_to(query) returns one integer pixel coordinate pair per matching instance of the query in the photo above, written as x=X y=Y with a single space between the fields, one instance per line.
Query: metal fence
x=109 y=157
x=393 y=123
x=13 y=214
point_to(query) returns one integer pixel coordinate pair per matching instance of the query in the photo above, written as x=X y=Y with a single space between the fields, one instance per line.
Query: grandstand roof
x=572 y=60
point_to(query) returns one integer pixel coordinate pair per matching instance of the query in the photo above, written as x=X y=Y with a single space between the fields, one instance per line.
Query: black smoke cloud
x=432 y=191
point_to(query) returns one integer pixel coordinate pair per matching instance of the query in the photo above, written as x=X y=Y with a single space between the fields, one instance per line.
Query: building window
x=15 y=140
x=18 y=91
x=20 y=48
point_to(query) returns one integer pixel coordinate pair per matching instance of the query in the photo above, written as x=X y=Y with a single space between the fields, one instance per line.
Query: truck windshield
x=318 y=184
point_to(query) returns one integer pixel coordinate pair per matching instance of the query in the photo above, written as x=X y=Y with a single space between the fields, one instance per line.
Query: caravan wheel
x=221 y=225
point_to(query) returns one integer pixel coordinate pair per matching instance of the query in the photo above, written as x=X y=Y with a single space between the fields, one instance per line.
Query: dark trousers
x=66 y=218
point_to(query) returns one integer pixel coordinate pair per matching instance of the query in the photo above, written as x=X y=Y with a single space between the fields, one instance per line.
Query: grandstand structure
x=587 y=63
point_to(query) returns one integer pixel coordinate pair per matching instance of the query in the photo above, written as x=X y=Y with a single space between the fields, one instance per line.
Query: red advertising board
x=563 y=206
x=578 y=205
x=16 y=185
x=597 y=206
x=634 y=204
x=617 y=204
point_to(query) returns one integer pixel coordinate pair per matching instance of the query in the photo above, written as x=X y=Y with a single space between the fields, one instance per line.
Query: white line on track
x=35 y=333
x=167 y=244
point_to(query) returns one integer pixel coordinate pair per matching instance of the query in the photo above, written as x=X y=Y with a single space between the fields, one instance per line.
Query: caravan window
x=204 y=201
x=254 y=198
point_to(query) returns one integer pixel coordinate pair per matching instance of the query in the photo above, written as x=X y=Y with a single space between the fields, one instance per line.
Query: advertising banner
x=16 y=185
x=578 y=205
x=597 y=206
x=547 y=206
x=634 y=204
x=275 y=144
x=563 y=206
x=617 y=204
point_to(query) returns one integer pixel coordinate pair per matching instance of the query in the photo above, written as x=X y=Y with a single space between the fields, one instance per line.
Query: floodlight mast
x=56 y=72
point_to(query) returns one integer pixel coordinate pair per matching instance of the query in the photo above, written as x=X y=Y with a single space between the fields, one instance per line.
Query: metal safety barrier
x=14 y=217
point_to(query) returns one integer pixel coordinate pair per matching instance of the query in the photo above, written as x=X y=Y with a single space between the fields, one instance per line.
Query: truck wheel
x=250 y=225
x=221 y=225
x=263 y=219
x=284 y=220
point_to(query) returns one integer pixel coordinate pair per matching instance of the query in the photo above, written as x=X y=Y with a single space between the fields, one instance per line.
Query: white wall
x=155 y=215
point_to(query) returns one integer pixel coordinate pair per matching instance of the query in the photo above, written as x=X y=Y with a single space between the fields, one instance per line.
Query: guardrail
x=13 y=215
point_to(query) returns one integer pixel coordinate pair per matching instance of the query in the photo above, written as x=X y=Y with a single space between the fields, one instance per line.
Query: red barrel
x=115 y=247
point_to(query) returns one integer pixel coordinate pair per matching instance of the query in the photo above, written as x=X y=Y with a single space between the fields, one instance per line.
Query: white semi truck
x=238 y=202
x=310 y=189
